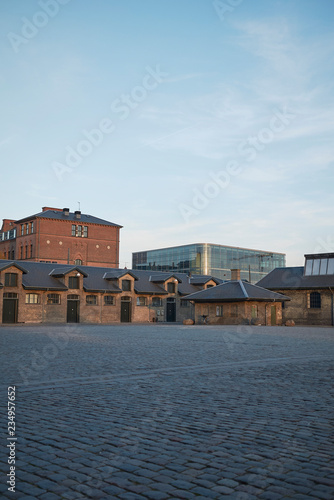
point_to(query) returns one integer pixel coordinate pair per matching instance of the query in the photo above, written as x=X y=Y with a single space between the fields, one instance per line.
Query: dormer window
x=10 y=279
x=73 y=282
x=126 y=285
x=171 y=287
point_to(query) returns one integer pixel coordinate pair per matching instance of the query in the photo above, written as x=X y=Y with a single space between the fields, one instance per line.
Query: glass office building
x=210 y=259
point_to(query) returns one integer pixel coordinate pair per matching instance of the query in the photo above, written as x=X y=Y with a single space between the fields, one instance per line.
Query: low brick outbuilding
x=237 y=302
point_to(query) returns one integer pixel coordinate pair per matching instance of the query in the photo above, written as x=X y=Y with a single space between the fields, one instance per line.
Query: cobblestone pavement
x=169 y=412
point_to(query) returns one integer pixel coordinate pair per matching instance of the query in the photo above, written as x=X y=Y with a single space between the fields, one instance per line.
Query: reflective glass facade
x=213 y=260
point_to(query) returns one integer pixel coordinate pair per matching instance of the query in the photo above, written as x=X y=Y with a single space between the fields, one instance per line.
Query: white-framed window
x=219 y=311
x=141 y=301
x=32 y=298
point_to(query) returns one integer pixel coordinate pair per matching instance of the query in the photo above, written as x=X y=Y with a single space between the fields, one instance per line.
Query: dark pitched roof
x=237 y=291
x=292 y=278
x=59 y=215
x=160 y=277
x=198 y=279
x=47 y=276
x=62 y=271
x=4 y=264
x=115 y=274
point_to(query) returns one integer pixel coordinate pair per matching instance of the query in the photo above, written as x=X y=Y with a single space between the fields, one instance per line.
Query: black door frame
x=171 y=310
x=125 y=309
x=73 y=317
x=10 y=307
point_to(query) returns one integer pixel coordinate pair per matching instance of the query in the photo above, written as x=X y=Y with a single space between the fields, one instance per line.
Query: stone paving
x=169 y=412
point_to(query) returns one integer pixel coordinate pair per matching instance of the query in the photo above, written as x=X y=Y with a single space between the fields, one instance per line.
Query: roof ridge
x=243 y=289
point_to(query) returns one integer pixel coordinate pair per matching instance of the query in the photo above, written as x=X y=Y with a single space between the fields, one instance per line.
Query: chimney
x=66 y=212
x=77 y=214
x=235 y=274
x=45 y=209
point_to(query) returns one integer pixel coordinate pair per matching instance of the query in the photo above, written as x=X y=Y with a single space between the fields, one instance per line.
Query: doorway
x=273 y=315
x=9 y=308
x=126 y=310
x=171 y=310
x=73 y=306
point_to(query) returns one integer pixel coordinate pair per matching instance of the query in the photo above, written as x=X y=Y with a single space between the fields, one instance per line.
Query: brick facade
x=236 y=313
x=33 y=303
x=61 y=237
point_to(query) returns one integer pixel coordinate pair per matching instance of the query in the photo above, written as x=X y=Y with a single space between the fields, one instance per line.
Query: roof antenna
x=79 y=205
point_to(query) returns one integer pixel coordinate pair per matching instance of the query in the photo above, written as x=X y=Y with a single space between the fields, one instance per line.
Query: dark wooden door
x=273 y=315
x=9 y=311
x=73 y=311
x=171 y=312
x=125 y=312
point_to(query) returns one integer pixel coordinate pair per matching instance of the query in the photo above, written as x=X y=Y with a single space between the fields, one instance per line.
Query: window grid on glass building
x=210 y=259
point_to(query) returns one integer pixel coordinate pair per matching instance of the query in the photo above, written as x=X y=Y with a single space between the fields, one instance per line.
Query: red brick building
x=59 y=236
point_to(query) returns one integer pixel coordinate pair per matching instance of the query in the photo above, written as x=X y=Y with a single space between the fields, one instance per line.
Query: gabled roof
x=292 y=278
x=59 y=215
x=163 y=277
x=235 y=291
x=115 y=274
x=4 y=264
x=44 y=276
x=62 y=271
x=198 y=279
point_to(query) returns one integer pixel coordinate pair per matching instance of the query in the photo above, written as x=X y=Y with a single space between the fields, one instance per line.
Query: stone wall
x=297 y=309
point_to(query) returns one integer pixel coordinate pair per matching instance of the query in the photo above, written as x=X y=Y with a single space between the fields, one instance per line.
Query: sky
x=184 y=121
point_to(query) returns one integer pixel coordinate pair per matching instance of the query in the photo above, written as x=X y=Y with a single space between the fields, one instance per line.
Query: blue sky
x=182 y=120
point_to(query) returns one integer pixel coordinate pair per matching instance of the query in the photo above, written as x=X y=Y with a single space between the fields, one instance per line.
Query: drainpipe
x=332 y=304
x=39 y=232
